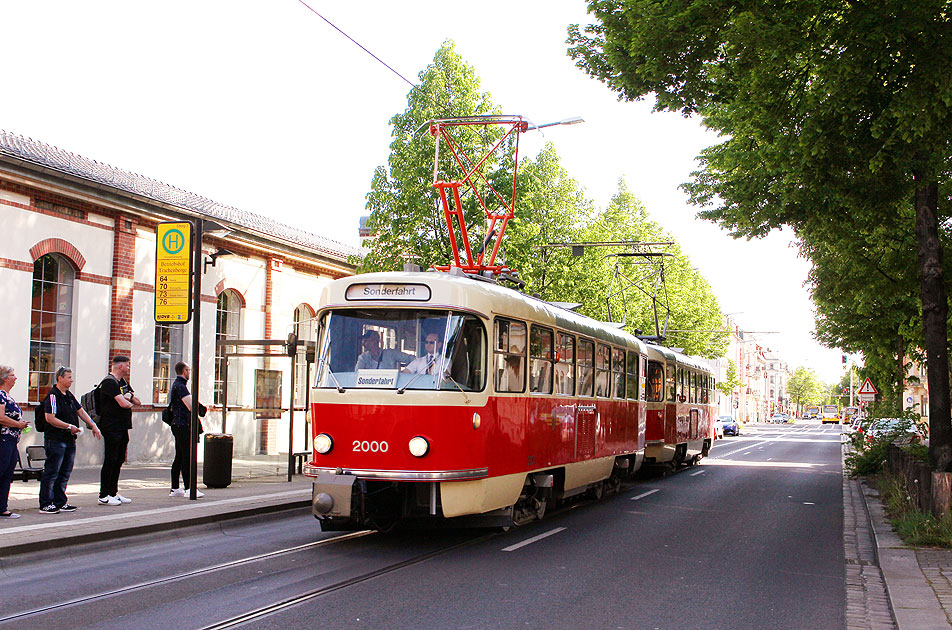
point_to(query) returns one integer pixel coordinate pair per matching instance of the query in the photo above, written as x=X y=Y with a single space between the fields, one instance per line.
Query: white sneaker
x=109 y=501
x=177 y=492
x=123 y=499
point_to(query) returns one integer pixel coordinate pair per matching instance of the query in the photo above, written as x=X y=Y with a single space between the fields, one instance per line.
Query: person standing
x=11 y=423
x=180 y=402
x=63 y=413
x=115 y=403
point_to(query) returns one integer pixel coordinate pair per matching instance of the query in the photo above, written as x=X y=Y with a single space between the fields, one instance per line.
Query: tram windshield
x=401 y=349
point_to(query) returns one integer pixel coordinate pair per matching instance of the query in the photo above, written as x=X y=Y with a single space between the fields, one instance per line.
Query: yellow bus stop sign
x=173 y=272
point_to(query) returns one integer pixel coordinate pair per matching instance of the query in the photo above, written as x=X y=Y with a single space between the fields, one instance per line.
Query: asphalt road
x=751 y=538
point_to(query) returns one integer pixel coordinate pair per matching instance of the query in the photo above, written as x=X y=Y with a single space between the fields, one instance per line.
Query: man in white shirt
x=430 y=362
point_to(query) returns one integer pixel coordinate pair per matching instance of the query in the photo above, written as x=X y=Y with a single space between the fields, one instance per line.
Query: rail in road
x=282 y=584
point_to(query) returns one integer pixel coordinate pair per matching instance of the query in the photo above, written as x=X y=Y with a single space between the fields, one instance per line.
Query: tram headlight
x=419 y=446
x=323 y=443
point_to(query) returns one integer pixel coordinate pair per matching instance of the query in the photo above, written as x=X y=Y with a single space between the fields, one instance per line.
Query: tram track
x=96 y=597
x=264 y=611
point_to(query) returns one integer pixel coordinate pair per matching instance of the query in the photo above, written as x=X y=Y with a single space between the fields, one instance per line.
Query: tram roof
x=670 y=354
x=485 y=298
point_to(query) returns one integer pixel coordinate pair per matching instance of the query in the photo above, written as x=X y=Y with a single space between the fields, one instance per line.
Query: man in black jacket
x=115 y=402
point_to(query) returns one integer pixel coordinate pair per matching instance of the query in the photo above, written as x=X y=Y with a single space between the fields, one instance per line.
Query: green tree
x=805 y=388
x=406 y=218
x=828 y=109
x=731 y=381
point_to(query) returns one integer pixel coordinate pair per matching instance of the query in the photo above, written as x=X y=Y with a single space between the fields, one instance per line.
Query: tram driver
x=374 y=357
x=431 y=362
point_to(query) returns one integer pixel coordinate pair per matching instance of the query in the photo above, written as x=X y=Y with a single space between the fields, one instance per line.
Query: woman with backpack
x=11 y=423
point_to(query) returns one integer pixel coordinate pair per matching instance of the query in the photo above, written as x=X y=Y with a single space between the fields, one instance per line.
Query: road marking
x=808 y=503
x=700 y=472
x=644 y=494
x=533 y=539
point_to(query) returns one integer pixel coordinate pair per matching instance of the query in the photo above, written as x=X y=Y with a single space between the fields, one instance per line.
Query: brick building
x=78 y=271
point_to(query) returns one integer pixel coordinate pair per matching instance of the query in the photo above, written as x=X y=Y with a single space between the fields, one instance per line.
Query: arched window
x=304 y=327
x=227 y=326
x=51 y=321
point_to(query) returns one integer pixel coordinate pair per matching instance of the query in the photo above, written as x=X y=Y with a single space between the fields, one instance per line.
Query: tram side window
x=705 y=389
x=671 y=382
x=618 y=373
x=565 y=366
x=632 y=382
x=602 y=370
x=586 y=367
x=540 y=360
x=654 y=381
x=510 y=356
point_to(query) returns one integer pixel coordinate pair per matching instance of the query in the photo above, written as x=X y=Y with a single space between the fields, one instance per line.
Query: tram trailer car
x=681 y=410
x=529 y=403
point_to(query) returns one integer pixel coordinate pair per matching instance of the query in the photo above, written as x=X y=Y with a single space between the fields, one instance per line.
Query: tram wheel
x=597 y=490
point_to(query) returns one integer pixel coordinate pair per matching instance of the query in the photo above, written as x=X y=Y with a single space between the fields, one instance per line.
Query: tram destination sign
x=388 y=291
x=173 y=272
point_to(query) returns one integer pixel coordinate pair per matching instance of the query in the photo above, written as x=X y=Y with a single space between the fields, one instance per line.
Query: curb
x=914 y=604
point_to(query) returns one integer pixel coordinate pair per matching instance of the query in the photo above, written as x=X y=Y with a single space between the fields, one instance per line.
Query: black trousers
x=115 y=443
x=180 y=465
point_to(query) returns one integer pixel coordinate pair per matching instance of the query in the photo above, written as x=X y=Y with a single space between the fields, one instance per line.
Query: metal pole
x=224 y=390
x=307 y=401
x=291 y=418
x=196 y=339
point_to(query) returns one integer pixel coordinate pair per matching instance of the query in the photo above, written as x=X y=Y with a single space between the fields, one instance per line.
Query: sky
x=265 y=107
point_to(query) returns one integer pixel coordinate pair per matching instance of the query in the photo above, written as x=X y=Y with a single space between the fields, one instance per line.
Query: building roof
x=57 y=159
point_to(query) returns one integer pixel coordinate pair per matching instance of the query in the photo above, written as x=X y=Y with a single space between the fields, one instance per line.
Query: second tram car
x=681 y=410
x=446 y=398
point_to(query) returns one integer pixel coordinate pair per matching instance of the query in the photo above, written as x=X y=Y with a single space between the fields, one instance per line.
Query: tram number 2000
x=370 y=447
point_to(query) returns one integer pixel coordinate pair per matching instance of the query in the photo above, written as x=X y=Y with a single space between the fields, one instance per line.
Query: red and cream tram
x=681 y=409
x=442 y=396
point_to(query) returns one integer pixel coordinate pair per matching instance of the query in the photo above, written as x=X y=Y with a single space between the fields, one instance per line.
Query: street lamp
x=216 y=229
x=568 y=121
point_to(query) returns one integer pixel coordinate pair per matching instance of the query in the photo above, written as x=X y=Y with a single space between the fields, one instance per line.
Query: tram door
x=585 y=413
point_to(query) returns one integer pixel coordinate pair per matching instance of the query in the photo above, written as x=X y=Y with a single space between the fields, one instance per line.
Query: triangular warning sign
x=867 y=388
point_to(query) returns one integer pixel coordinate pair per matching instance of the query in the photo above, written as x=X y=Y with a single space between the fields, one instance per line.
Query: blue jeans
x=8 y=461
x=60 y=455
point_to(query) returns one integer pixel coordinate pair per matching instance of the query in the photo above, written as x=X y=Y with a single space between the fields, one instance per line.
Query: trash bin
x=216 y=472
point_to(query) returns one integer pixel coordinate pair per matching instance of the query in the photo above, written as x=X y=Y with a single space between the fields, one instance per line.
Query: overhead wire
x=312 y=10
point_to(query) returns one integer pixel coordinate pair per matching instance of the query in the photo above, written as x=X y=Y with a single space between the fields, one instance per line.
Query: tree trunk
x=935 y=309
x=900 y=373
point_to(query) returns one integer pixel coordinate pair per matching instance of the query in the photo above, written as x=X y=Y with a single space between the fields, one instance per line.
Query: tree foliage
x=406 y=219
x=408 y=223
x=805 y=388
x=832 y=113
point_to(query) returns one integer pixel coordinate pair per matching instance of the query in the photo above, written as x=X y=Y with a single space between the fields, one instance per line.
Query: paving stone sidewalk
x=889 y=584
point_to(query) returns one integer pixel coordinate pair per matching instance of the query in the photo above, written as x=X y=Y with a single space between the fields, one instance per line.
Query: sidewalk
x=258 y=486
x=917 y=579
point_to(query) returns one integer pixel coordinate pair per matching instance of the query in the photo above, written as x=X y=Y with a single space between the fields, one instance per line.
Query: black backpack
x=90 y=400
x=39 y=417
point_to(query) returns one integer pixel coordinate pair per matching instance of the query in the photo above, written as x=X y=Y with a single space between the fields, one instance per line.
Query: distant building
x=78 y=270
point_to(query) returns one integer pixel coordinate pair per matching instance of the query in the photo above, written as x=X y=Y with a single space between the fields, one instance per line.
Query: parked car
x=778 y=418
x=904 y=430
x=718 y=429
x=731 y=426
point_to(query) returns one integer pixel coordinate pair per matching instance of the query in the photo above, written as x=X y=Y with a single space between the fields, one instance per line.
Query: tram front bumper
x=333 y=496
